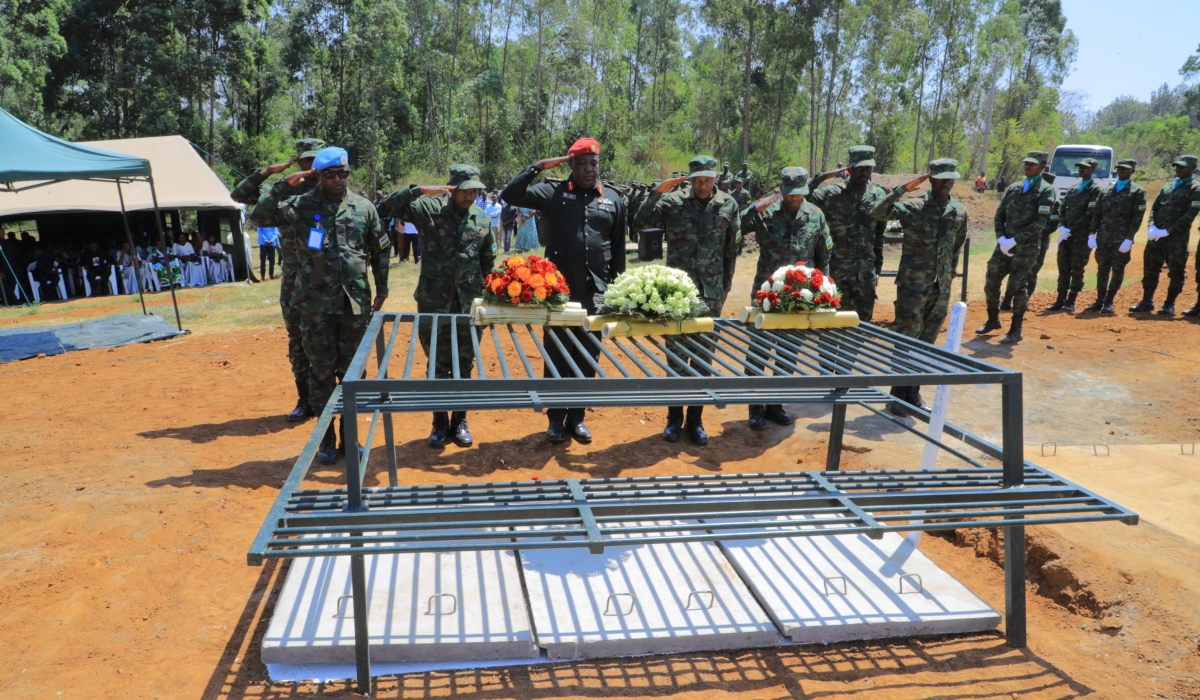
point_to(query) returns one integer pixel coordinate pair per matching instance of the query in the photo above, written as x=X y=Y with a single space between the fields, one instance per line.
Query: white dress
x=193 y=272
x=218 y=270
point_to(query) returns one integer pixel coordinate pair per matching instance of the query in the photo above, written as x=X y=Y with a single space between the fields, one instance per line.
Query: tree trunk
x=833 y=71
x=746 y=90
x=537 y=120
x=937 y=103
x=920 y=99
x=787 y=61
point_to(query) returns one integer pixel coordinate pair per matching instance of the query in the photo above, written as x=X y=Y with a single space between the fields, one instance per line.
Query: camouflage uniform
x=742 y=197
x=1075 y=214
x=747 y=175
x=934 y=235
x=1023 y=214
x=458 y=251
x=262 y=210
x=857 y=256
x=1174 y=209
x=332 y=292
x=1117 y=217
x=1043 y=247
x=785 y=238
x=725 y=175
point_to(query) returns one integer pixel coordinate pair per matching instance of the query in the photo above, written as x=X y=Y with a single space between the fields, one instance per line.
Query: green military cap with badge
x=465 y=177
x=1127 y=163
x=793 y=180
x=943 y=169
x=1088 y=163
x=308 y=148
x=702 y=166
x=862 y=155
x=1185 y=161
x=1037 y=157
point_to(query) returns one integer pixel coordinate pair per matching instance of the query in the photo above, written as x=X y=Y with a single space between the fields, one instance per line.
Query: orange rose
x=551 y=279
x=540 y=293
x=497 y=285
x=515 y=261
x=523 y=274
x=515 y=300
x=536 y=281
x=514 y=289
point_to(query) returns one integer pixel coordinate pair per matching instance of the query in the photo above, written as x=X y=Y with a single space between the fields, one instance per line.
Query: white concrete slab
x=845 y=587
x=641 y=599
x=446 y=607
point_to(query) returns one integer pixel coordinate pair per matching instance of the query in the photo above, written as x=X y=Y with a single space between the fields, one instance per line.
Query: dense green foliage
x=410 y=86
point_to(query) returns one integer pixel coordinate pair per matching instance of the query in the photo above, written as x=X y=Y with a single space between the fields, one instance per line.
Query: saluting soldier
x=1023 y=214
x=1118 y=215
x=585 y=239
x=335 y=236
x=262 y=210
x=701 y=231
x=458 y=250
x=1171 y=218
x=789 y=230
x=857 y=256
x=1075 y=220
x=935 y=229
x=1043 y=247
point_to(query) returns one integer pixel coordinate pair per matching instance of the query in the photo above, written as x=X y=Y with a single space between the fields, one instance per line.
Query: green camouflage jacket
x=249 y=190
x=458 y=248
x=701 y=237
x=1176 y=207
x=857 y=255
x=742 y=197
x=749 y=181
x=1118 y=215
x=1024 y=215
x=353 y=239
x=934 y=235
x=1076 y=209
x=265 y=212
x=786 y=238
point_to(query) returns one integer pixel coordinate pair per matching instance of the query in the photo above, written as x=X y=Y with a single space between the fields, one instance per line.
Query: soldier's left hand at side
x=377 y=304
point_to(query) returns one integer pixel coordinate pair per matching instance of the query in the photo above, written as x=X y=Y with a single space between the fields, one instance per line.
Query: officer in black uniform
x=585 y=239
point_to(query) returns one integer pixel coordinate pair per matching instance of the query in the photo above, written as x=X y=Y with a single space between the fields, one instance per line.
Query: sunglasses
x=335 y=174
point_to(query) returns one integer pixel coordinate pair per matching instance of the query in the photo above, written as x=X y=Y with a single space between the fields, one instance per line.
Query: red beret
x=583 y=147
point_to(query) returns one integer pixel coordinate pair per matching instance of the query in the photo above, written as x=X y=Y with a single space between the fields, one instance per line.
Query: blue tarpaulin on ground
x=31 y=341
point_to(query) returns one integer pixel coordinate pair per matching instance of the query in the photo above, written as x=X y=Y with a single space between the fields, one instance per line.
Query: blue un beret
x=331 y=157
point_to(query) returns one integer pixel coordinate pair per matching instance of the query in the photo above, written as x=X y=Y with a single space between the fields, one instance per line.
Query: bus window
x=1063 y=164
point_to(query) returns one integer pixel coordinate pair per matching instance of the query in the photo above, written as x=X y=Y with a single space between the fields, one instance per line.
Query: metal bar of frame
x=162 y=236
x=138 y=264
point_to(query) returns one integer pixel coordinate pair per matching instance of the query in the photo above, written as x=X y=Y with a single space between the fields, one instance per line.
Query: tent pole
x=162 y=237
x=137 y=268
x=16 y=280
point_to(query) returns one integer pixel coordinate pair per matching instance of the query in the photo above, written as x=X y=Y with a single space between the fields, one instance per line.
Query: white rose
x=806 y=295
x=766 y=304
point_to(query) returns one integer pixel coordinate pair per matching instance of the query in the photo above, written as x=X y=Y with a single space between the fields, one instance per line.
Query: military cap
x=725 y=164
x=943 y=169
x=1087 y=163
x=702 y=166
x=738 y=181
x=1185 y=161
x=331 y=157
x=308 y=148
x=793 y=180
x=465 y=177
x=1127 y=163
x=862 y=155
x=1037 y=157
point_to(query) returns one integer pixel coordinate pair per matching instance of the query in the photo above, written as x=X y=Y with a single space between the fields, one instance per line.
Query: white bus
x=1065 y=158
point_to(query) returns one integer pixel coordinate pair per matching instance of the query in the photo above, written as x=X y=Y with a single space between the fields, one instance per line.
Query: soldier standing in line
x=335 y=237
x=1075 y=219
x=459 y=250
x=788 y=230
x=585 y=239
x=701 y=231
x=1118 y=215
x=262 y=210
x=748 y=177
x=857 y=255
x=1171 y=218
x=1043 y=247
x=1021 y=217
x=935 y=229
x=724 y=176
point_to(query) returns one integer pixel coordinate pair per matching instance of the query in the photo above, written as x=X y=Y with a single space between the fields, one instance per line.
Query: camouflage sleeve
x=649 y=215
x=398 y=203
x=376 y=253
x=887 y=210
x=817 y=195
x=1000 y=221
x=733 y=237
x=1097 y=213
x=822 y=247
x=960 y=239
x=880 y=231
x=1031 y=230
x=249 y=190
x=1183 y=221
x=266 y=211
x=1139 y=213
x=1157 y=207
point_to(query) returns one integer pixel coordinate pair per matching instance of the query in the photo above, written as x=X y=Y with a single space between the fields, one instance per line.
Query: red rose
x=835 y=302
x=527 y=295
x=795 y=296
x=507 y=280
x=787 y=289
x=817 y=278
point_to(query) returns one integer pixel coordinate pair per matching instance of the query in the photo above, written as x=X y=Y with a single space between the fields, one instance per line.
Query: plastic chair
x=36 y=286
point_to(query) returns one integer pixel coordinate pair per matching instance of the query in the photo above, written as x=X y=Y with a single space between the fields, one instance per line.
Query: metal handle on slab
x=1186 y=444
x=712 y=598
x=337 y=610
x=451 y=611
x=826 y=579
x=1096 y=450
x=920 y=584
x=1053 y=452
x=608 y=604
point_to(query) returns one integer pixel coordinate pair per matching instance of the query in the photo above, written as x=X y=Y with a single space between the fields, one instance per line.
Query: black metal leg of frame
x=1014 y=536
x=362 y=639
x=389 y=434
x=837 y=427
x=350 y=438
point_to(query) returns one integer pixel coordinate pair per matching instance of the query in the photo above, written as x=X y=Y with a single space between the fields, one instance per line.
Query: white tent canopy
x=182 y=180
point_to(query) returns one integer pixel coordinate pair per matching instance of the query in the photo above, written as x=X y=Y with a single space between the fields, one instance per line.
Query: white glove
x=1126 y=245
x=1063 y=233
x=1006 y=244
x=1092 y=241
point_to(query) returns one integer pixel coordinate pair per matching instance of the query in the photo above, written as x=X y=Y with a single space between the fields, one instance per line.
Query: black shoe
x=301 y=412
x=555 y=432
x=758 y=419
x=1194 y=311
x=1069 y=305
x=694 y=425
x=1059 y=303
x=674 y=424
x=992 y=323
x=1146 y=304
x=914 y=397
x=778 y=416
x=1006 y=305
x=1168 y=307
x=1108 y=307
x=327 y=453
x=459 y=431
x=580 y=432
x=441 y=425
x=901 y=393
x=1014 y=332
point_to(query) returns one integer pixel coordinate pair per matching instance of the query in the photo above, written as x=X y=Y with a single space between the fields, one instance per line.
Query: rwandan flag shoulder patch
x=1044 y=209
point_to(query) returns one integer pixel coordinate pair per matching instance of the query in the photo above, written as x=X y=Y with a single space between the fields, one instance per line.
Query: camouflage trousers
x=1020 y=268
x=330 y=340
x=921 y=312
x=1043 y=247
x=1170 y=251
x=1110 y=260
x=1073 y=257
x=858 y=297
x=443 y=364
x=296 y=354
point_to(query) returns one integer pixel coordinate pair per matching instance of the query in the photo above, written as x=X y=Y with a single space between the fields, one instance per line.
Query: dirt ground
x=135 y=479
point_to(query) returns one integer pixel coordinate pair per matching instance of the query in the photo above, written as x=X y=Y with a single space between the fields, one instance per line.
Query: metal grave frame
x=733 y=364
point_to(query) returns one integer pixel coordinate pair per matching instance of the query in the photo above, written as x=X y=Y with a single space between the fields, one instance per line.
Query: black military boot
x=1014 y=331
x=327 y=453
x=1146 y=304
x=441 y=425
x=902 y=393
x=778 y=416
x=1168 y=307
x=695 y=426
x=1060 y=302
x=1107 y=308
x=1069 y=304
x=914 y=397
x=302 y=411
x=342 y=432
x=674 y=424
x=1099 y=304
x=459 y=431
x=992 y=323
x=1194 y=311
x=1006 y=305
x=758 y=419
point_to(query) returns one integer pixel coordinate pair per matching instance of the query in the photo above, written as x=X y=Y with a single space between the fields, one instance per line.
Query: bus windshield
x=1063 y=164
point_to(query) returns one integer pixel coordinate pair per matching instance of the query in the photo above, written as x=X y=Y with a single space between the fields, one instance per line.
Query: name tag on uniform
x=384 y=241
x=316 y=238
x=1044 y=210
x=568 y=195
